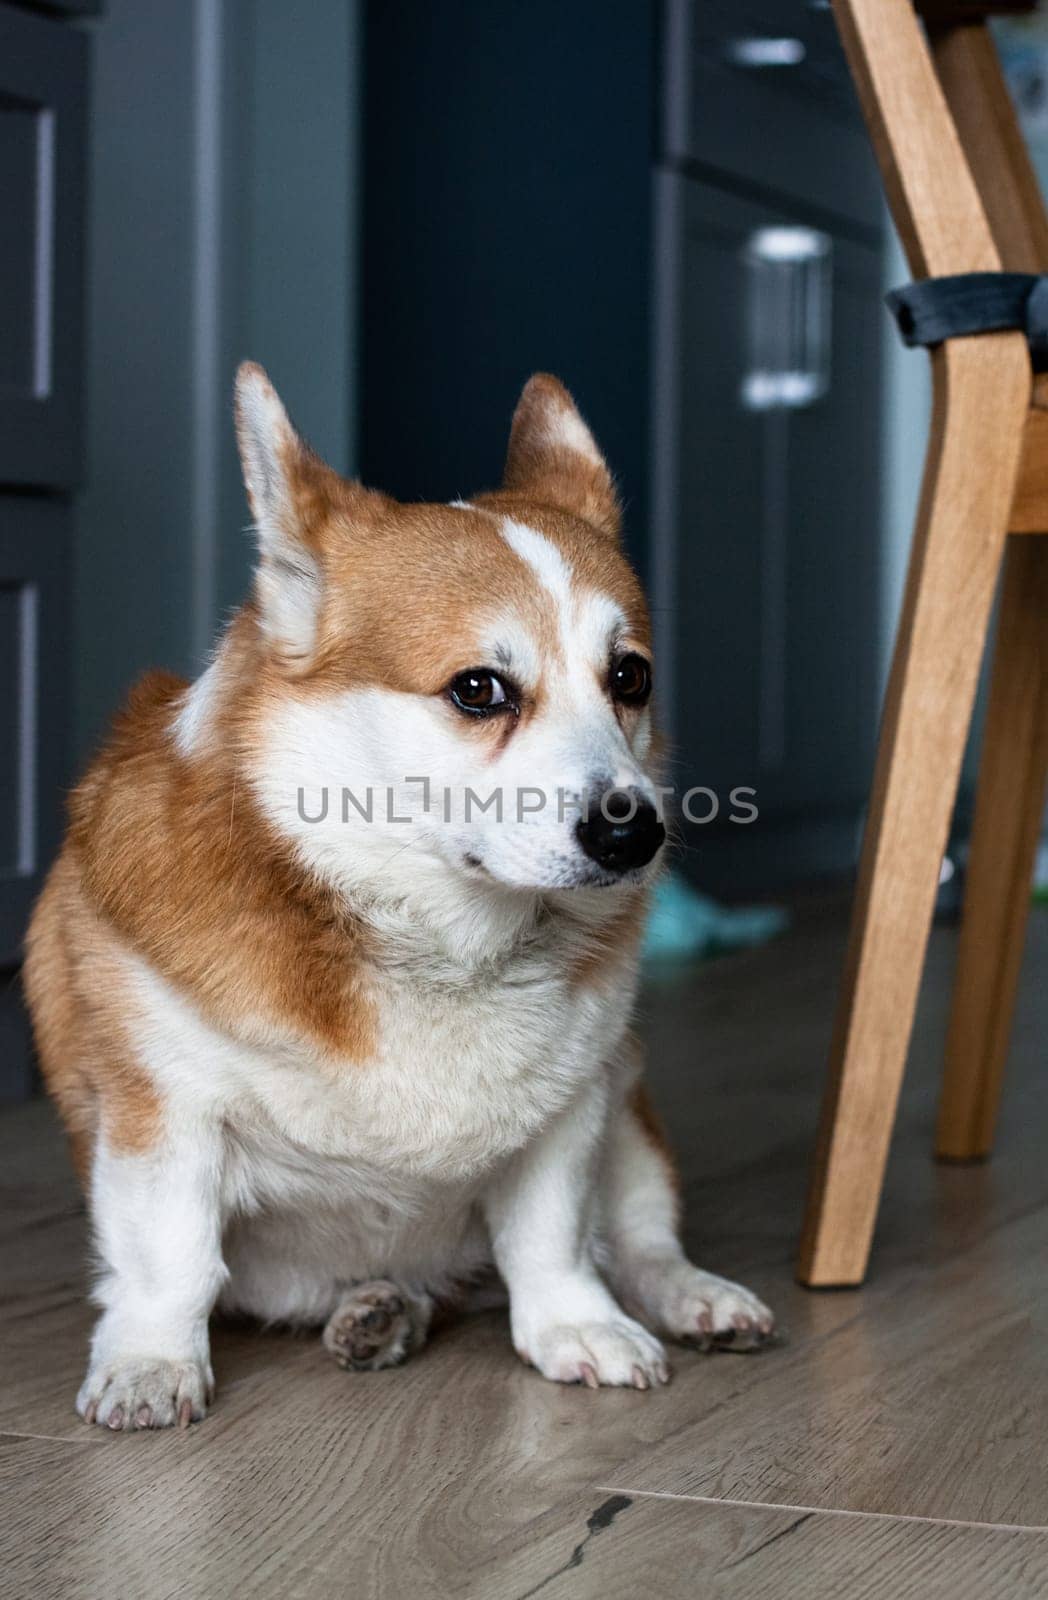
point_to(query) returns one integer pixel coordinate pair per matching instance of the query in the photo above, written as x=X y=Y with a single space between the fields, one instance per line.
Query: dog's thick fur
x=329 y=1070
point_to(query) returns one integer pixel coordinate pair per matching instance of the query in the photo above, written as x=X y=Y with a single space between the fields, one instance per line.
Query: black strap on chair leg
x=936 y=309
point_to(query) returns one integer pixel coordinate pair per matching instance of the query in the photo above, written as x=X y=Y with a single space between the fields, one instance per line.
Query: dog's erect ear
x=286 y=486
x=553 y=458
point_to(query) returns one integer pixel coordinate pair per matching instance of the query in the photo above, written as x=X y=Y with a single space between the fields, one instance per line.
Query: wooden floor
x=896 y=1444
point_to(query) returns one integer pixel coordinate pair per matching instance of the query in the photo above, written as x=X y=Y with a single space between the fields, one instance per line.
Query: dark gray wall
x=507 y=171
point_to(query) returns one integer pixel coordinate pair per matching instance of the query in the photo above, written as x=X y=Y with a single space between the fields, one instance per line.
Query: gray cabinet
x=767 y=524
x=43 y=92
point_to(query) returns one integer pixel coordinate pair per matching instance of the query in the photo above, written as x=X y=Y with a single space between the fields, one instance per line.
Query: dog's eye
x=478 y=692
x=631 y=680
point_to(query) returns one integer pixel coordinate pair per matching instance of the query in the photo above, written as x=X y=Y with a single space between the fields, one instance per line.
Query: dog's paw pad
x=374 y=1327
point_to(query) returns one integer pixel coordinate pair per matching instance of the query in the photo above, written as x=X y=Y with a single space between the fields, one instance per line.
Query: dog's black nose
x=622 y=831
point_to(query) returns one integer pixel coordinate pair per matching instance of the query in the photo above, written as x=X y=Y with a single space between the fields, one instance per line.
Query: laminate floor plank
x=81 y=1523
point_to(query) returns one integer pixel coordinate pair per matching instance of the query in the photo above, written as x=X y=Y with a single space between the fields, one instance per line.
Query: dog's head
x=464 y=685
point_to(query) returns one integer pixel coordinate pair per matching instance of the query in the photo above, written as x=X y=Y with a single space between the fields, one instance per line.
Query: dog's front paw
x=137 y=1392
x=699 y=1308
x=617 y=1351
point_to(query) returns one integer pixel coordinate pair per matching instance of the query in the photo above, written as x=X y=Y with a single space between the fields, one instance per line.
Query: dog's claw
x=91 y=1411
x=639 y=1380
x=588 y=1374
x=115 y=1420
x=185 y=1413
x=144 y=1417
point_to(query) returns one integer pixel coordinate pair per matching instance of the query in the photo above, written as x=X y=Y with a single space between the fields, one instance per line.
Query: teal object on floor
x=684 y=924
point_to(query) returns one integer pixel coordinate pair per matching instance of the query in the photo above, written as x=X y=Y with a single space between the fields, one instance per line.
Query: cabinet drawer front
x=34 y=710
x=43 y=71
x=759 y=91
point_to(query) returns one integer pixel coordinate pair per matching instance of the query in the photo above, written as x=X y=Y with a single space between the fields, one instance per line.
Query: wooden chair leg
x=1008 y=812
x=981 y=397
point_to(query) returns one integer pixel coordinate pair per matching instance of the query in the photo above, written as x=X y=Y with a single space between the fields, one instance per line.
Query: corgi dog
x=331 y=982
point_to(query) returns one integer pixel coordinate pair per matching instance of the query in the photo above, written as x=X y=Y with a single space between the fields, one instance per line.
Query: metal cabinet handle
x=788 y=309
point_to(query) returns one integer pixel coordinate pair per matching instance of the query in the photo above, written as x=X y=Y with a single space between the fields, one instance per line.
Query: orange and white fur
x=330 y=1071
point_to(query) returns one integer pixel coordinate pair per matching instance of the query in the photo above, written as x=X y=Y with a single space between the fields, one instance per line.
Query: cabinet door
x=766 y=547
x=34 y=542
x=43 y=65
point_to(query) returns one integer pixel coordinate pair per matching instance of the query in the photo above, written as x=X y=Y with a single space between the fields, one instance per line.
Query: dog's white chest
x=469 y=1074
x=461 y=1077
x=464 y=1073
